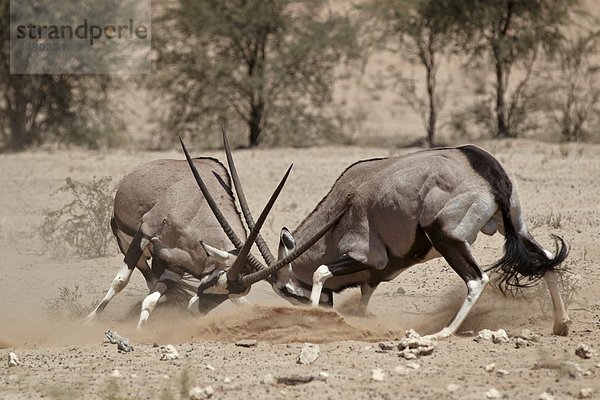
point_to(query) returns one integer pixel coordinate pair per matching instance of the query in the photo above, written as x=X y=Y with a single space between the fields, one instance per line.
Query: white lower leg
x=118 y=284
x=475 y=289
x=561 y=319
x=147 y=307
x=319 y=277
x=193 y=303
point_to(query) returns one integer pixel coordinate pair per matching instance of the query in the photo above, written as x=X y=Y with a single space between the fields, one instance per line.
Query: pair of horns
x=244 y=255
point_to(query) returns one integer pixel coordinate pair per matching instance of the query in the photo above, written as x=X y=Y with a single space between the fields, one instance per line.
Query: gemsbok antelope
x=160 y=214
x=393 y=213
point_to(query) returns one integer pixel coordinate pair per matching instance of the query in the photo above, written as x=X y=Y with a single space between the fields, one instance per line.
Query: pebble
x=168 y=352
x=490 y=367
x=377 y=375
x=501 y=372
x=452 y=387
x=493 y=394
x=546 y=396
x=499 y=336
x=115 y=374
x=308 y=354
x=573 y=370
x=413 y=365
x=584 y=351
x=324 y=375
x=198 y=393
x=13 y=360
x=387 y=346
x=585 y=393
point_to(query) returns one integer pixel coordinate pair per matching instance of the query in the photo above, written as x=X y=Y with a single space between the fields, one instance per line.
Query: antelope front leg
x=319 y=277
x=561 y=319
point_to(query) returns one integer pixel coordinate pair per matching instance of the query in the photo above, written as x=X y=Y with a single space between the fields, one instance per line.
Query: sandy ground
x=62 y=359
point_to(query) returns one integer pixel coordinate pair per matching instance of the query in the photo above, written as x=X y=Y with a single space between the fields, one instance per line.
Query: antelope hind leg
x=561 y=319
x=167 y=280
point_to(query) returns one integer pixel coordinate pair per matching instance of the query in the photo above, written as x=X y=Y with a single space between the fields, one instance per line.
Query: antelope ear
x=287 y=240
x=222 y=256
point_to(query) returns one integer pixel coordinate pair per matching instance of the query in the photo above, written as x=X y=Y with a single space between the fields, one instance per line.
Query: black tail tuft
x=524 y=262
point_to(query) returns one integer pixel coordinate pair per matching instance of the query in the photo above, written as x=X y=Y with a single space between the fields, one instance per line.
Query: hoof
x=561 y=328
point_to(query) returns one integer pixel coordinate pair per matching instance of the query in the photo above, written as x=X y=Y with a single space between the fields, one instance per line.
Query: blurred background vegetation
x=308 y=72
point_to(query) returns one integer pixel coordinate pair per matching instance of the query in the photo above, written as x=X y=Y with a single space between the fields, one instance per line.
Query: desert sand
x=63 y=359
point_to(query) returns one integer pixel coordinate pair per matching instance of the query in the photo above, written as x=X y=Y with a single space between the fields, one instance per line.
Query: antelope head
x=234 y=278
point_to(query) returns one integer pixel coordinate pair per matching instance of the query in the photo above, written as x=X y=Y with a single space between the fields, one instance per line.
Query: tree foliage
x=422 y=34
x=268 y=65
x=509 y=33
x=41 y=108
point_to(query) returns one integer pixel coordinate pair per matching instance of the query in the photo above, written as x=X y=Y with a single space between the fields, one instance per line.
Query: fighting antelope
x=401 y=211
x=160 y=214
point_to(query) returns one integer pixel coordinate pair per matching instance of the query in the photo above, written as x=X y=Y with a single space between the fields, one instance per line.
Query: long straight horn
x=260 y=242
x=234 y=272
x=250 y=279
x=233 y=237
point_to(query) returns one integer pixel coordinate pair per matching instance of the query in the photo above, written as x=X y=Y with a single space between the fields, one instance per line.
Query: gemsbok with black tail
x=393 y=213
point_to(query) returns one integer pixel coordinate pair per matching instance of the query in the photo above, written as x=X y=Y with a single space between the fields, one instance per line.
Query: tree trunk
x=502 y=125
x=20 y=137
x=432 y=117
x=254 y=125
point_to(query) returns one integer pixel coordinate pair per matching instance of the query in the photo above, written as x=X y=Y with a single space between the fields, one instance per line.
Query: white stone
x=501 y=372
x=584 y=351
x=308 y=354
x=324 y=375
x=268 y=379
x=490 y=367
x=115 y=374
x=493 y=394
x=413 y=365
x=586 y=393
x=377 y=375
x=499 y=336
x=198 y=393
x=227 y=380
x=13 y=360
x=546 y=396
x=452 y=387
x=209 y=367
x=168 y=352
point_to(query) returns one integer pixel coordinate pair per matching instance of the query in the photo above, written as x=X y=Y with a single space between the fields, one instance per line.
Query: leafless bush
x=67 y=304
x=82 y=225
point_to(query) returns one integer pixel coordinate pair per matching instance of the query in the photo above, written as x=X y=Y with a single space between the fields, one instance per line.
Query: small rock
x=528 y=335
x=401 y=370
x=571 y=369
x=115 y=374
x=400 y=290
x=13 y=360
x=585 y=393
x=377 y=375
x=490 y=367
x=269 y=379
x=246 y=343
x=452 y=387
x=502 y=372
x=198 y=393
x=324 y=375
x=209 y=367
x=493 y=394
x=413 y=365
x=227 y=380
x=168 y=352
x=584 y=351
x=520 y=343
x=387 y=346
x=546 y=396
x=308 y=354
x=496 y=337
x=413 y=343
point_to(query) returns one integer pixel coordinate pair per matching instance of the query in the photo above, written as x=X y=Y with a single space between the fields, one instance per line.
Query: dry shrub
x=81 y=226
